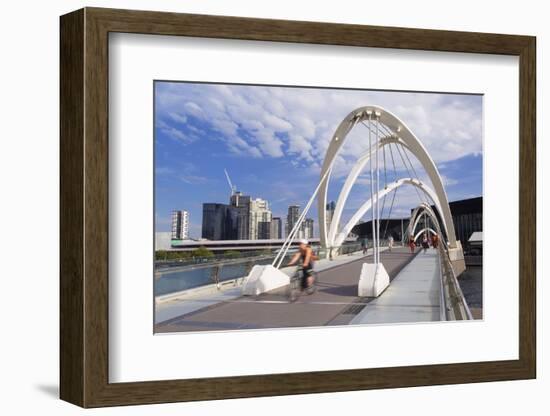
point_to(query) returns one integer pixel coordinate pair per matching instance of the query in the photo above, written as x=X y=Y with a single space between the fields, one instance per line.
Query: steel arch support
x=407 y=136
x=368 y=204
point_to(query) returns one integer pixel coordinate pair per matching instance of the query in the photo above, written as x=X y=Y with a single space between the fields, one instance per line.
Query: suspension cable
x=385 y=173
x=418 y=193
x=371 y=185
x=408 y=171
x=393 y=162
x=412 y=167
x=389 y=213
x=286 y=245
x=377 y=190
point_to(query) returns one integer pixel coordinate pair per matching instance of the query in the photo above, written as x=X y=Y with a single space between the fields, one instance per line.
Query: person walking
x=435 y=241
x=390 y=243
x=425 y=244
x=364 y=245
x=411 y=244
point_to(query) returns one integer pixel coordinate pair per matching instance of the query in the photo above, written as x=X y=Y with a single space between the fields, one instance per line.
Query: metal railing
x=178 y=277
x=213 y=258
x=453 y=303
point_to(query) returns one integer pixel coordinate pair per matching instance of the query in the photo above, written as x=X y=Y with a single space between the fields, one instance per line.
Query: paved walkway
x=172 y=306
x=335 y=302
x=413 y=296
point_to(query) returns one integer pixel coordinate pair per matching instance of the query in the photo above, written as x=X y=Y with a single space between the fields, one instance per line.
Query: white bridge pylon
x=388 y=130
x=400 y=134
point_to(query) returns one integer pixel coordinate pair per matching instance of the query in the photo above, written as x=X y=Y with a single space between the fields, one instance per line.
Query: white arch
x=350 y=181
x=415 y=218
x=428 y=229
x=401 y=131
x=339 y=239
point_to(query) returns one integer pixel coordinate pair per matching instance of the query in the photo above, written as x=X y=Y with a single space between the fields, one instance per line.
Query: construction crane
x=231 y=186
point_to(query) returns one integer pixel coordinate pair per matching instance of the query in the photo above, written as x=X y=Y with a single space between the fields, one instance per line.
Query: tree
x=161 y=255
x=202 y=252
x=231 y=254
x=171 y=255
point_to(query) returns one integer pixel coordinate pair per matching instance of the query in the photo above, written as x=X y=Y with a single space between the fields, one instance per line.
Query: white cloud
x=164 y=171
x=193 y=109
x=176 y=134
x=448 y=181
x=299 y=123
x=299 y=145
x=276 y=123
x=268 y=143
x=193 y=179
x=179 y=118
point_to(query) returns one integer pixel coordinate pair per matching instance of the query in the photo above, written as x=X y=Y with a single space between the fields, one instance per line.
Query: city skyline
x=246 y=217
x=272 y=142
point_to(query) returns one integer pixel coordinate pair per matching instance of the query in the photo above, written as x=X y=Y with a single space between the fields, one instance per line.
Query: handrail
x=453 y=303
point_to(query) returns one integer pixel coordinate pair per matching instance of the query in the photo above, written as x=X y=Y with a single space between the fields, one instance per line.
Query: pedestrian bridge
x=385 y=287
x=419 y=292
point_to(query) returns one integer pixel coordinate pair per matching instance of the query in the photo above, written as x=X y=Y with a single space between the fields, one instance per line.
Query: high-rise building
x=243 y=218
x=240 y=215
x=292 y=217
x=180 y=225
x=276 y=228
x=214 y=221
x=307 y=228
x=331 y=206
x=264 y=230
x=259 y=214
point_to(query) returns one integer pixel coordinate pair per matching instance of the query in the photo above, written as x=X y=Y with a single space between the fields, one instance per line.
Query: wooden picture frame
x=84 y=207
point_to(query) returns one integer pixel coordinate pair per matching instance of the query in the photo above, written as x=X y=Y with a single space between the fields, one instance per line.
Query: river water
x=471 y=283
x=171 y=280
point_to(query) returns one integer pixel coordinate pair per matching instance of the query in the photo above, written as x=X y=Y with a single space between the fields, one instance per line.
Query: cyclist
x=306 y=257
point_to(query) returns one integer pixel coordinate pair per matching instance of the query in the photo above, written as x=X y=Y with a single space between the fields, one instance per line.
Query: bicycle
x=295 y=286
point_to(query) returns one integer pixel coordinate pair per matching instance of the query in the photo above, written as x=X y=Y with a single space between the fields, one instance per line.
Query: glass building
x=467 y=217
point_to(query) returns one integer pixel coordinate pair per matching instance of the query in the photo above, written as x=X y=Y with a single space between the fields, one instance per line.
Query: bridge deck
x=335 y=302
x=413 y=296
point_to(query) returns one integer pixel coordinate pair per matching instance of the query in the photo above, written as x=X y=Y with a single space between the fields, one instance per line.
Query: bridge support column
x=262 y=279
x=373 y=281
x=333 y=252
x=456 y=255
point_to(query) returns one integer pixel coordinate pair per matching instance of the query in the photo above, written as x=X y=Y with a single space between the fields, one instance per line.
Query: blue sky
x=272 y=141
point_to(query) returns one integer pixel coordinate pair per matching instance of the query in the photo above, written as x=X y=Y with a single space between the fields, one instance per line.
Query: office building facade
x=292 y=217
x=216 y=221
x=240 y=211
x=243 y=218
x=276 y=228
x=467 y=217
x=330 y=207
x=306 y=228
x=180 y=225
x=259 y=214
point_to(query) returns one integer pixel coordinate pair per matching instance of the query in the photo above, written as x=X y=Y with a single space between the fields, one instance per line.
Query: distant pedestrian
x=425 y=244
x=364 y=245
x=411 y=244
x=390 y=243
x=435 y=241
